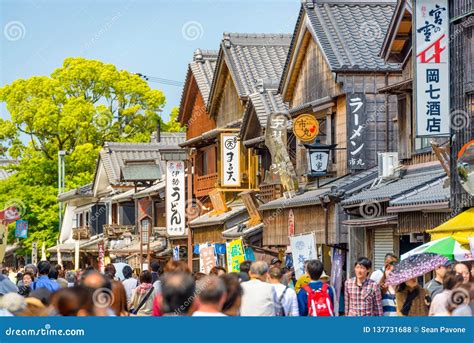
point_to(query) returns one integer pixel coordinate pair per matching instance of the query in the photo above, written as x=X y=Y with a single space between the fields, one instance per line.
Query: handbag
x=280 y=304
x=144 y=300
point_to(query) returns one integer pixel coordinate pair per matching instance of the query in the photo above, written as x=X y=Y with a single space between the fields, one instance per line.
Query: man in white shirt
x=378 y=274
x=259 y=297
x=211 y=295
x=286 y=297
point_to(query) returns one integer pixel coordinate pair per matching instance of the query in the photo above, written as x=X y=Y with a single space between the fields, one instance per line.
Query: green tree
x=173 y=125
x=76 y=109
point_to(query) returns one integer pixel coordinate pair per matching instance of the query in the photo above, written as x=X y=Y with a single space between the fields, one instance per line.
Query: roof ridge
x=201 y=55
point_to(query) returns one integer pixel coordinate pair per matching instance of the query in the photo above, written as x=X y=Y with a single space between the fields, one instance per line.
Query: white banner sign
x=230 y=157
x=175 y=198
x=303 y=248
x=432 y=68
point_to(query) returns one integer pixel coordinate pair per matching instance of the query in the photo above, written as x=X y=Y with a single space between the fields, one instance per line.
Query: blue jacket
x=303 y=296
x=45 y=282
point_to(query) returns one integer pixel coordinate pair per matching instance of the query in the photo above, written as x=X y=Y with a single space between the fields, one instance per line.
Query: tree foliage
x=76 y=109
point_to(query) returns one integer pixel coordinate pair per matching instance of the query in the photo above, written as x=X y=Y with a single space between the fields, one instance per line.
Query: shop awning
x=242 y=230
x=211 y=219
x=460 y=227
x=370 y=222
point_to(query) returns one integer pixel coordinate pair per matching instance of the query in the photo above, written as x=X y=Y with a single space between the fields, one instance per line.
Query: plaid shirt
x=365 y=300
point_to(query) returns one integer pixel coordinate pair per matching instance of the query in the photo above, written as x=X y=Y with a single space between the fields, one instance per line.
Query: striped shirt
x=389 y=304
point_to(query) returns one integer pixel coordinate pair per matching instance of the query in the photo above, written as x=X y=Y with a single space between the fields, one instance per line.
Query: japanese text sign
x=21 y=229
x=235 y=255
x=303 y=248
x=207 y=259
x=357 y=124
x=306 y=127
x=432 y=68
x=175 y=198
x=230 y=160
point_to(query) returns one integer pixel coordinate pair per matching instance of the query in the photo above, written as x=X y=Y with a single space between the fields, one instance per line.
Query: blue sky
x=140 y=35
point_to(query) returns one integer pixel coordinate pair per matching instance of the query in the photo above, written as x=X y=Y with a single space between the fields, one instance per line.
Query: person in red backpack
x=316 y=298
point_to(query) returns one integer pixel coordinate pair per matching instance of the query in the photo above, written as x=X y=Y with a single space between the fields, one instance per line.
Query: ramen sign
x=306 y=127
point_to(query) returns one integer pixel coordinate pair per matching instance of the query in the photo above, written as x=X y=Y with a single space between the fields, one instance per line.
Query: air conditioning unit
x=416 y=237
x=388 y=164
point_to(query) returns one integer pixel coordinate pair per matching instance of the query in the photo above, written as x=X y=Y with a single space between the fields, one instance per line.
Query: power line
x=161 y=80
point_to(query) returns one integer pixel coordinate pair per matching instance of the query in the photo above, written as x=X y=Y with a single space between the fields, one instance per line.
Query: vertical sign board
x=207 y=259
x=303 y=248
x=230 y=160
x=337 y=260
x=21 y=229
x=101 y=257
x=175 y=198
x=432 y=68
x=357 y=125
x=34 y=253
x=235 y=255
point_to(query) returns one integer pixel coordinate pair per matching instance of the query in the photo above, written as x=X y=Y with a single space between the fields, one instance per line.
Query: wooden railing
x=204 y=184
x=83 y=232
x=270 y=192
x=115 y=230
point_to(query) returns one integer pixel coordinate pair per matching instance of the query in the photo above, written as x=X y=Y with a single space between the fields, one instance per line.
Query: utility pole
x=61 y=176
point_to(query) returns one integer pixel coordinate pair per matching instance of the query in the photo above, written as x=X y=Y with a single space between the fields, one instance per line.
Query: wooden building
x=462 y=92
x=244 y=63
x=332 y=68
x=394 y=215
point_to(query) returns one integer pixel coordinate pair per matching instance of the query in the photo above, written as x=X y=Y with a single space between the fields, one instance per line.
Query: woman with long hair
x=389 y=302
x=119 y=304
x=411 y=299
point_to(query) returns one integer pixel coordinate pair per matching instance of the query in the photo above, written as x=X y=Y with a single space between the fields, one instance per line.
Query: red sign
x=100 y=259
x=291 y=223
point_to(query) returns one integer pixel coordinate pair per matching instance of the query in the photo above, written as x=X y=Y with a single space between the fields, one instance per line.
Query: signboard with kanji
x=235 y=255
x=303 y=248
x=175 y=198
x=357 y=125
x=21 y=229
x=432 y=68
x=306 y=127
x=101 y=256
x=230 y=160
x=207 y=259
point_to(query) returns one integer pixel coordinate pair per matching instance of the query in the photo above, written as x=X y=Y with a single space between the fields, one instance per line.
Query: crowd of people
x=259 y=289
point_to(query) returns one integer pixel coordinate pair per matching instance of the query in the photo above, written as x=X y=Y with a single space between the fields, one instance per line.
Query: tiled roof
x=252 y=59
x=395 y=188
x=340 y=187
x=114 y=155
x=433 y=192
x=83 y=191
x=350 y=33
x=202 y=67
x=265 y=103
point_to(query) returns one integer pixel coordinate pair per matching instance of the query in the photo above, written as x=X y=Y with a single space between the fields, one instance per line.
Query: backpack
x=319 y=302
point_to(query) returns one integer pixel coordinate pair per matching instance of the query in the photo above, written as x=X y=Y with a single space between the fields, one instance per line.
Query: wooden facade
x=462 y=91
x=307 y=219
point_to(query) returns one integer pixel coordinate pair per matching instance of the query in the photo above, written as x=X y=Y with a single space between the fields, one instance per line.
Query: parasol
x=414 y=266
x=446 y=246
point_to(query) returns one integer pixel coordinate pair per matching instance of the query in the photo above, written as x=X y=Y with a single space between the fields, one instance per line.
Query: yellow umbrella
x=460 y=228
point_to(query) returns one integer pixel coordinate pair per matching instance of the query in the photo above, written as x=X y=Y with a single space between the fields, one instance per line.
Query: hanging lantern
x=318 y=158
